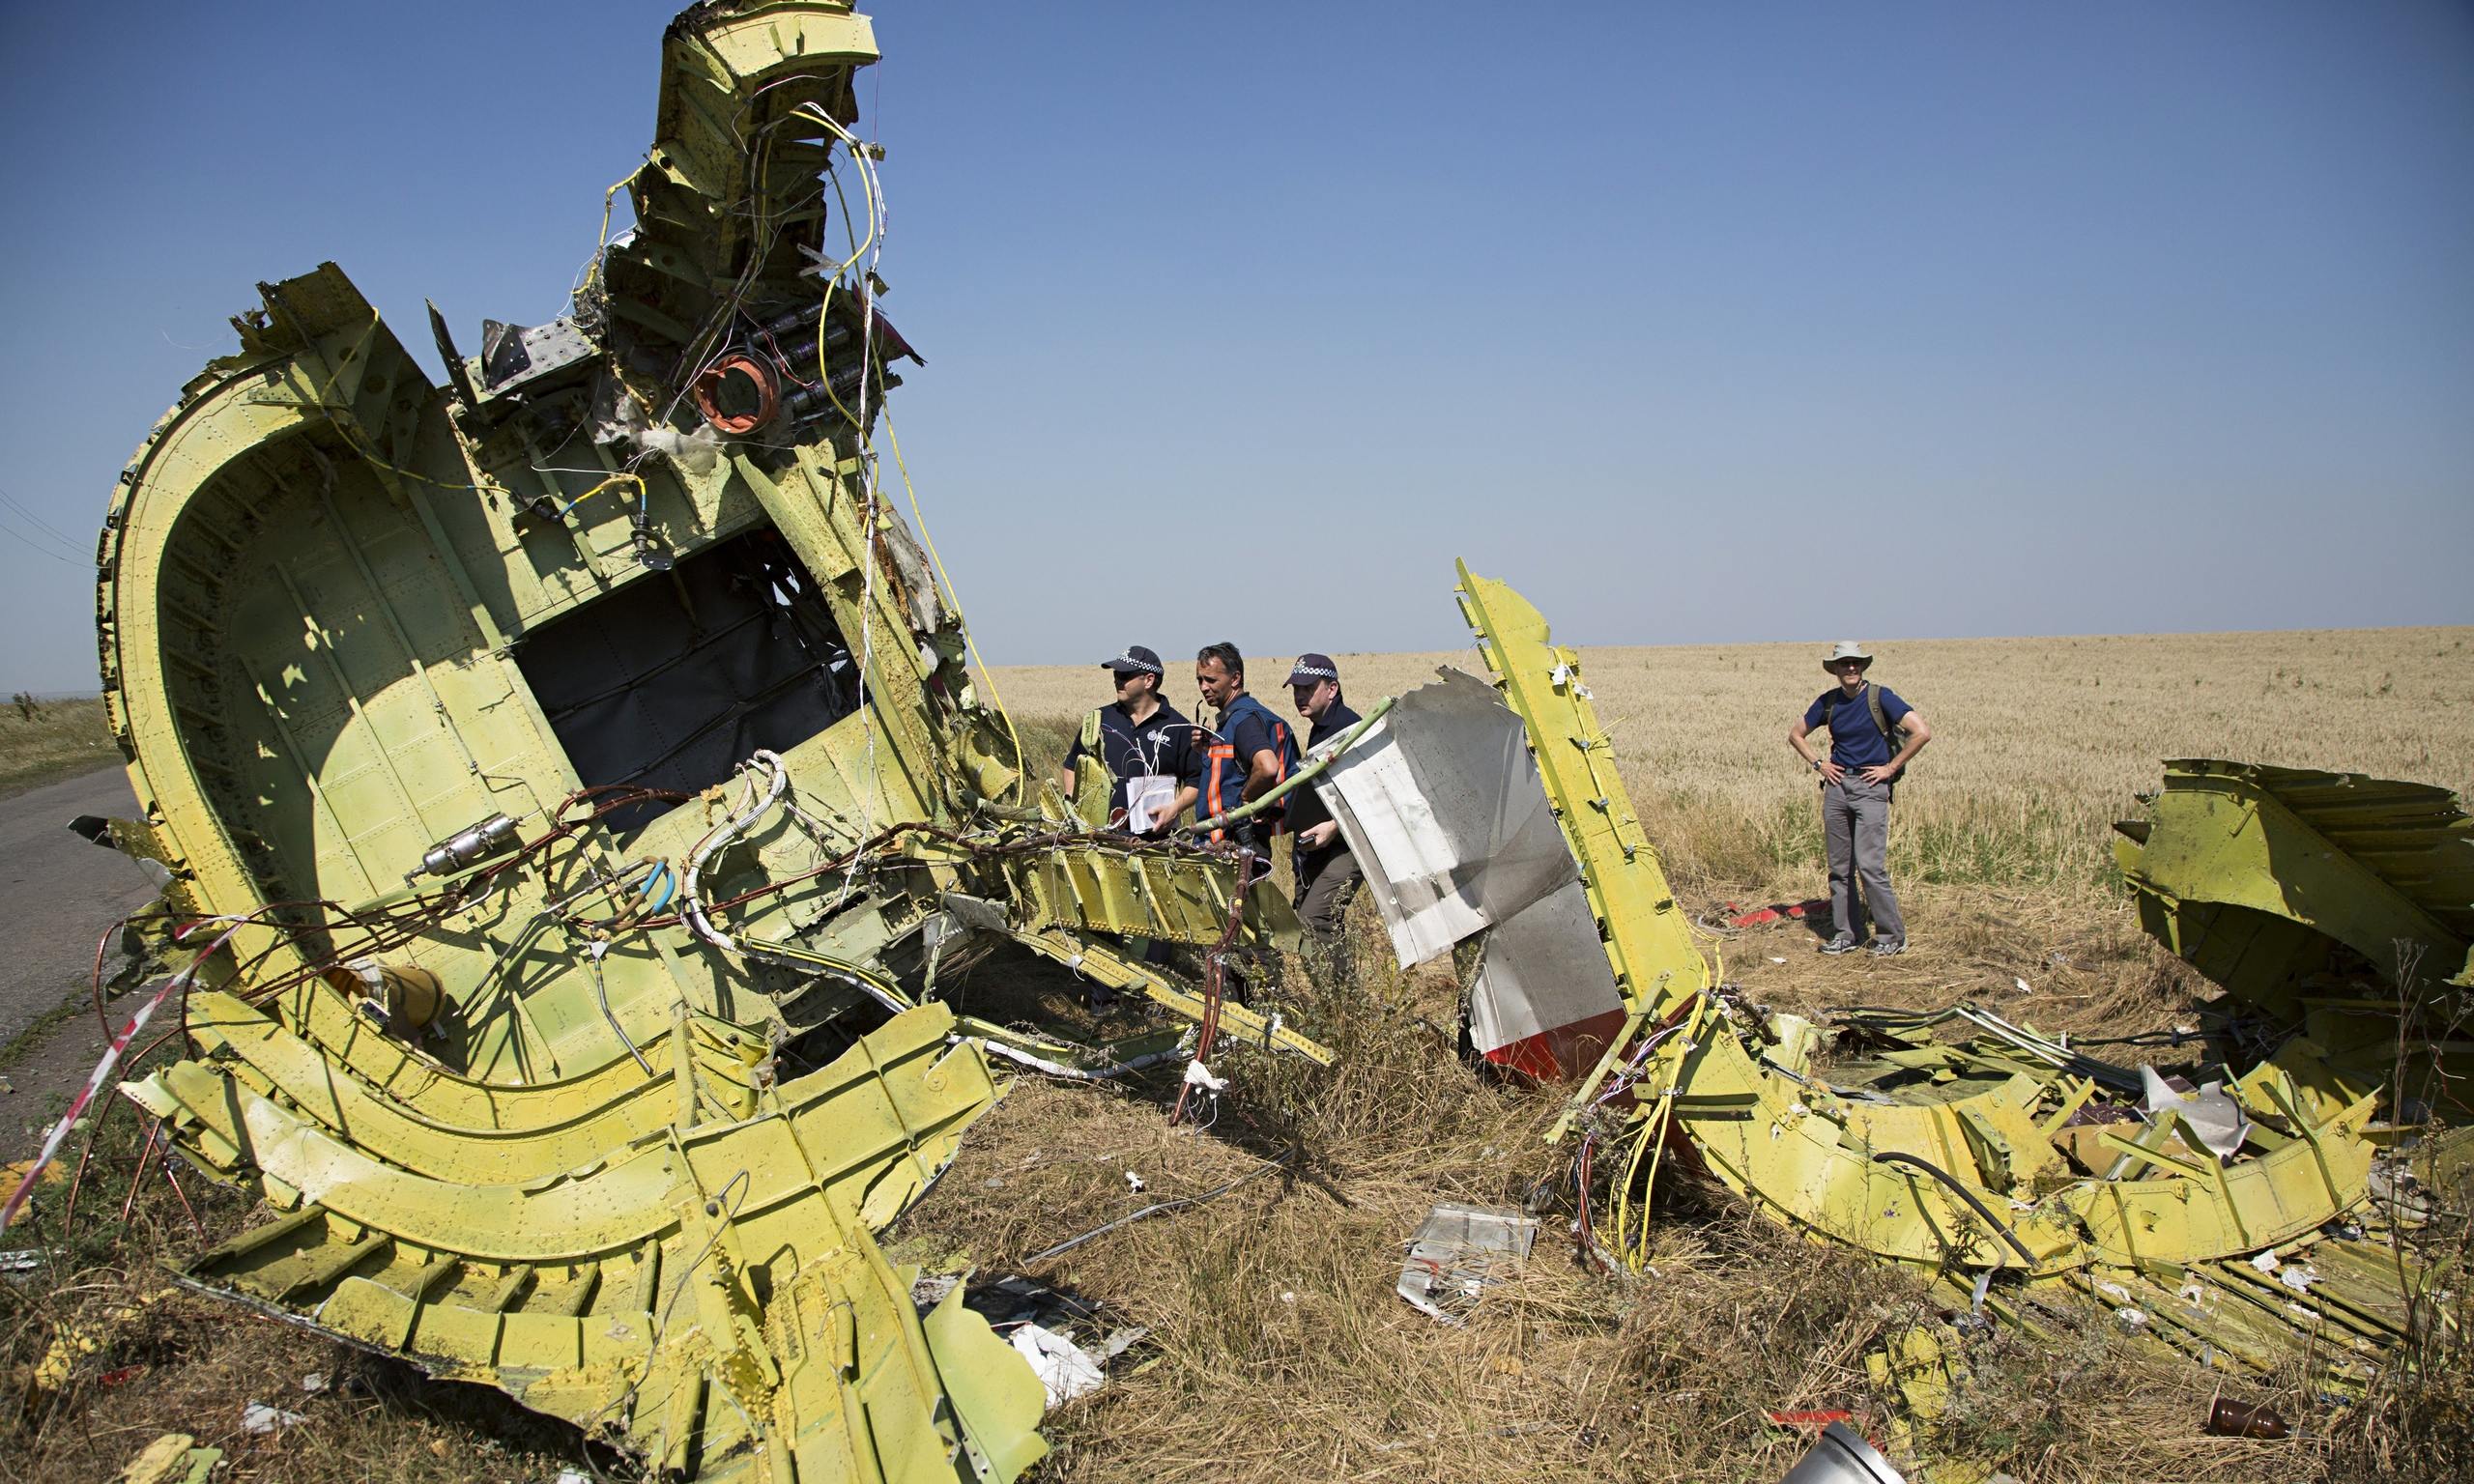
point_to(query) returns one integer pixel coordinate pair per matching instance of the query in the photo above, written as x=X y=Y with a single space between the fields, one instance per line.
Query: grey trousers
x=1856 y=824
x=1326 y=880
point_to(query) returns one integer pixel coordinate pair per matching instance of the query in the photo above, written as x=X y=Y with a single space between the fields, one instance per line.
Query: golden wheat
x=2039 y=744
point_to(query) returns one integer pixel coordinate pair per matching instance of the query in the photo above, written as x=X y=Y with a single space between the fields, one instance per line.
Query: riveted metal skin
x=1965 y=1159
x=648 y=747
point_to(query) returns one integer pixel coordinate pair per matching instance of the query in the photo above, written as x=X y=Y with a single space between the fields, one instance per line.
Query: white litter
x=1134 y=1181
x=1065 y=1369
x=314 y=1383
x=259 y=1418
x=2021 y=984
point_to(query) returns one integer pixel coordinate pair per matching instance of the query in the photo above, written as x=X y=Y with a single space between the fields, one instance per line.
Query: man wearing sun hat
x=1142 y=741
x=1873 y=736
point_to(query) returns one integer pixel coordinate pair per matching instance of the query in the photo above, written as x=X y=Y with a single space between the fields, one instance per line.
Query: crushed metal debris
x=1457 y=1251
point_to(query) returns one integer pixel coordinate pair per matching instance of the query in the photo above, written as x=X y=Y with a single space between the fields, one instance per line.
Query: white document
x=1148 y=798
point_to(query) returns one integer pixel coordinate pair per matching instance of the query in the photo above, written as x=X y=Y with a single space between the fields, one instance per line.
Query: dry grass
x=63 y=738
x=1280 y=1350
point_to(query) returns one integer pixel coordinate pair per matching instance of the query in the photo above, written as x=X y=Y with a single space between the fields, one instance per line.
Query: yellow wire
x=334 y=421
x=641 y=492
x=893 y=441
x=868 y=360
x=609 y=199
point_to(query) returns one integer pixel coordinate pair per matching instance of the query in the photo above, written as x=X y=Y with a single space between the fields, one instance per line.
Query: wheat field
x=2039 y=744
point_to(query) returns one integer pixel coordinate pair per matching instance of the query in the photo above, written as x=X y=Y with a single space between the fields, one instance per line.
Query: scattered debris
x=1062 y=1366
x=1775 y=912
x=2230 y=1419
x=2013 y=1158
x=1457 y=1251
x=260 y=1418
x=175 y=1458
x=1841 y=1456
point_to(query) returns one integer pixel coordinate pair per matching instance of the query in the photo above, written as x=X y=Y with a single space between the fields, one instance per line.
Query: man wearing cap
x=1143 y=741
x=1873 y=735
x=1247 y=751
x=1327 y=873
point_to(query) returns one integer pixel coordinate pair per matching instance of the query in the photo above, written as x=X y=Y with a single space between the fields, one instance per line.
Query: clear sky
x=1698 y=322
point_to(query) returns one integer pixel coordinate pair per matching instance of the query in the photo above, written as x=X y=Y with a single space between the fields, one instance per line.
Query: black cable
x=1070 y=1242
x=1965 y=1194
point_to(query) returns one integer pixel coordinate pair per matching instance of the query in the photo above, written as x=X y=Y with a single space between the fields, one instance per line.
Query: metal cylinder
x=405 y=999
x=1841 y=1456
x=469 y=847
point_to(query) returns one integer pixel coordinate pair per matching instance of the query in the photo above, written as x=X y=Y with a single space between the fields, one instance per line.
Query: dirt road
x=62 y=894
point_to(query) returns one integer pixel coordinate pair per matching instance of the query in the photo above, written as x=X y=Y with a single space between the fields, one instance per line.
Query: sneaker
x=1841 y=944
x=1888 y=948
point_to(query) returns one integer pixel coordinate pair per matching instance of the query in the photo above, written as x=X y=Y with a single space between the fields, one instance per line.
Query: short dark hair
x=1227 y=656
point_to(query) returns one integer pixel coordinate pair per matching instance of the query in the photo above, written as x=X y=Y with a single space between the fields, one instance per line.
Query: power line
x=36 y=521
x=33 y=544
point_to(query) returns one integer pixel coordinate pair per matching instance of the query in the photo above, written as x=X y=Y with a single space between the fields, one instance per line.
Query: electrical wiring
x=336 y=415
x=593 y=953
x=643 y=495
x=1156 y=1209
x=691 y=887
x=601 y=251
x=946 y=583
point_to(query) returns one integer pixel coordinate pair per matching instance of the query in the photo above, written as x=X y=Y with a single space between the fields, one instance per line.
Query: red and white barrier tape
x=103 y=1072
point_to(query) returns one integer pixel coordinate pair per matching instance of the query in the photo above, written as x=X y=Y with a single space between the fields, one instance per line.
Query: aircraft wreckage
x=570 y=787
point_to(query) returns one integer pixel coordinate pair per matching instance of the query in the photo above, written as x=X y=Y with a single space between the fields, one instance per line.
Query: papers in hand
x=1148 y=798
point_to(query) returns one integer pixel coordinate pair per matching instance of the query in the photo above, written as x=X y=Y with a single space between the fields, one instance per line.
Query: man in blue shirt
x=1873 y=735
x=1140 y=736
x=1247 y=751
x=1327 y=873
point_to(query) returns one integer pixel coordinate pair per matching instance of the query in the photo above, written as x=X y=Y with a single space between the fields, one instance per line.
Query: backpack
x=1873 y=699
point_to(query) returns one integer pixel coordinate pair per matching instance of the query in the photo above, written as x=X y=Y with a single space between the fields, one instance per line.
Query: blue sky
x=1699 y=323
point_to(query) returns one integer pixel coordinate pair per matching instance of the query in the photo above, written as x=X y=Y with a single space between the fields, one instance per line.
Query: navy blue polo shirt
x=1246 y=728
x=1304 y=805
x=1164 y=742
x=1855 y=742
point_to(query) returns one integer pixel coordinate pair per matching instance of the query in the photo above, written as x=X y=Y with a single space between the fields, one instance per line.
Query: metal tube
x=1329 y=751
